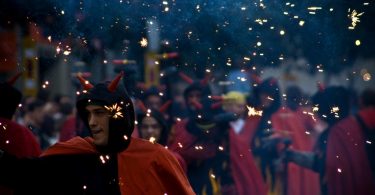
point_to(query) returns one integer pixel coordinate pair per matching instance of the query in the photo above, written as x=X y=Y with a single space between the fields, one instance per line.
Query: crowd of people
x=263 y=141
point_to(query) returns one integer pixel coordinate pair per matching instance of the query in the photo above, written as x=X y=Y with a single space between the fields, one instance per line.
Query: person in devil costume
x=344 y=152
x=153 y=127
x=108 y=162
x=276 y=129
x=14 y=138
x=218 y=162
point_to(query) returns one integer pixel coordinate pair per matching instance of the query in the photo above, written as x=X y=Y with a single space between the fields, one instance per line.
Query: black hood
x=270 y=87
x=327 y=99
x=120 y=128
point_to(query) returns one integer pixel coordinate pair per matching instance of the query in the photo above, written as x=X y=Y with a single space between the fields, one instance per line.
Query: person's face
x=194 y=95
x=98 y=119
x=150 y=127
x=238 y=109
x=154 y=102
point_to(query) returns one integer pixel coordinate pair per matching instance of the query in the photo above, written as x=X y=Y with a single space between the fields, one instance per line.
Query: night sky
x=213 y=33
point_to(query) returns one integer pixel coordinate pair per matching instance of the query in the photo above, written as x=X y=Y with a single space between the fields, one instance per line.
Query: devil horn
x=165 y=106
x=321 y=86
x=216 y=105
x=12 y=80
x=204 y=81
x=217 y=97
x=186 y=78
x=197 y=104
x=85 y=84
x=113 y=85
x=142 y=106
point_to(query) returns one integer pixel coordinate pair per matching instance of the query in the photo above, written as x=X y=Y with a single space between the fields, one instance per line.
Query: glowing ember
x=367 y=77
x=357 y=42
x=315 y=108
x=143 y=42
x=66 y=53
x=253 y=112
x=152 y=140
x=335 y=109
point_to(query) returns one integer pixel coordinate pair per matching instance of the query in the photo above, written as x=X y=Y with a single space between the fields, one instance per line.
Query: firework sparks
x=366 y=76
x=261 y=21
x=115 y=111
x=357 y=42
x=152 y=140
x=354 y=16
x=143 y=42
x=253 y=112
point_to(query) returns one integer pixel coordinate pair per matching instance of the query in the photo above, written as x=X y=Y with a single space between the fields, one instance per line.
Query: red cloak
x=247 y=178
x=347 y=166
x=143 y=168
x=18 y=141
x=300 y=180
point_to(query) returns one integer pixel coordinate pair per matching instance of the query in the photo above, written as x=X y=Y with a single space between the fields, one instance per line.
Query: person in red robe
x=153 y=127
x=277 y=128
x=343 y=154
x=14 y=138
x=218 y=162
x=108 y=162
x=235 y=102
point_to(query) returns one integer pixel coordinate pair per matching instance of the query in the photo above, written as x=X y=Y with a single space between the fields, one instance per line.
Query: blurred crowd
x=255 y=139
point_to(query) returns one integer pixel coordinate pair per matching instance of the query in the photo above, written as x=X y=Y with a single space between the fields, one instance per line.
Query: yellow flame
x=143 y=42
x=115 y=111
x=253 y=112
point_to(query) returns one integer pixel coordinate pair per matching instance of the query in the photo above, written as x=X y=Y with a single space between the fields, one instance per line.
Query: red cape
x=144 y=168
x=347 y=167
x=247 y=131
x=300 y=180
x=247 y=178
x=286 y=122
x=17 y=140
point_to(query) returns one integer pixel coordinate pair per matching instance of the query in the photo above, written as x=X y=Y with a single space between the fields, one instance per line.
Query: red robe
x=143 y=168
x=247 y=179
x=300 y=180
x=247 y=131
x=347 y=168
x=17 y=140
